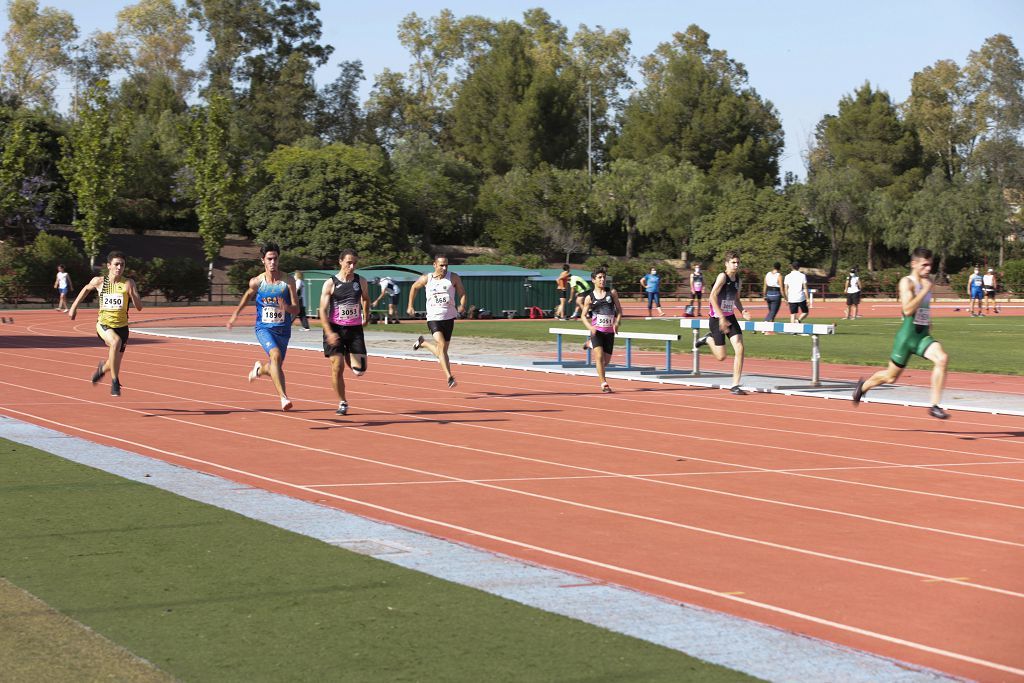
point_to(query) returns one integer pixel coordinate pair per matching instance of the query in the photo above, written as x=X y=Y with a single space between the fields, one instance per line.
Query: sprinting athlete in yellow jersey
x=115 y=292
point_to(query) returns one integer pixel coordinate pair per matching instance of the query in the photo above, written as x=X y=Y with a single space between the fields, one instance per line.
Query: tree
x=764 y=225
x=656 y=197
x=875 y=151
x=338 y=116
x=155 y=37
x=21 y=150
x=436 y=192
x=93 y=163
x=696 y=106
x=37 y=49
x=320 y=201
x=214 y=184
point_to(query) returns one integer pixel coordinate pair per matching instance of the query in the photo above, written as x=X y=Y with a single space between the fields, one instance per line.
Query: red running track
x=879 y=528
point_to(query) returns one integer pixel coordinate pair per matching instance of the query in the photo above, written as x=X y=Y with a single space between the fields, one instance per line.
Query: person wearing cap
x=852 y=295
x=989 y=284
x=651 y=282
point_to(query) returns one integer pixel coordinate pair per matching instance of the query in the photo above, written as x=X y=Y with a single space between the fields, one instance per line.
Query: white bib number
x=272 y=315
x=347 y=315
x=112 y=302
x=442 y=299
x=923 y=316
x=604 y=321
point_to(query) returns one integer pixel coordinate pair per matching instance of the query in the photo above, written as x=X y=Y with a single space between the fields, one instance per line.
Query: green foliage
x=243 y=270
x=322 y=201
x=626 y=272
x=93 y=162
x=521 y=260
x=1012 y=277
x=46 y=253
x=178 y=278
x=13 y=273
x=696 y=106
x=214 y=184
x=763 y=225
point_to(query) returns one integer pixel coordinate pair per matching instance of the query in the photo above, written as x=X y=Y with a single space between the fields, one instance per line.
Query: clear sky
x=802 y=55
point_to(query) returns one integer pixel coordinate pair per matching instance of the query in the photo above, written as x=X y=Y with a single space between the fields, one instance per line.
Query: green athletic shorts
x=910 y=339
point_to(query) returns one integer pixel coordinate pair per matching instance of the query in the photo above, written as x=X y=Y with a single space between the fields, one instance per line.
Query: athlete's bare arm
x=325 y=306
x=133 y=292
x=618 y=310
x=420 y=283
x=461 y=291
x=94 y=284
x=254 y=285
x=585 y=314
x=364 y=299
x=908 y=300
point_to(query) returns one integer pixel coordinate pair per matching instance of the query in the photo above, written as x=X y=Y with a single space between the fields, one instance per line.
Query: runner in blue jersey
x=974 y=286
x=276 y=303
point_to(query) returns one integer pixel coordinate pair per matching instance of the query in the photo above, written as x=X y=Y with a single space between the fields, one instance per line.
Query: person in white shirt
x=301 y=292
x=795 y=288
x=390 y=289
x=63 y=286
x=852 y=295
x=441 y=289
x=989 y=285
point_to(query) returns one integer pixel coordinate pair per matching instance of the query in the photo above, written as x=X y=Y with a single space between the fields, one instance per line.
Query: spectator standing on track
x=773 y=292
x=976 y=291
x=914 y=336
x=63 y=286
x=724 y=301
x=390 y=289
x=115 y=293
x=579 y=288
x=696 y=290
x=345 y=311
x=562 y=285
x=852 y=287
x=441 y=289
x=651 y=282
x=990 y=285
x=301 y=293
x=602 y=314
x=795 y=288
x=275 y=296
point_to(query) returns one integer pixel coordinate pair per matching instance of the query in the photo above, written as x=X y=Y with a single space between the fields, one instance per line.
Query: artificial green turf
x=990 y=344
x=207 y=594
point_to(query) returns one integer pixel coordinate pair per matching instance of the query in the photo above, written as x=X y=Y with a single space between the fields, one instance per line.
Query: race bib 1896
x=272 y=315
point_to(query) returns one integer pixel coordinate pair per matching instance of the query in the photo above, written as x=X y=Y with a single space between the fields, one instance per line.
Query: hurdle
x=812 y=330
x=559 y=332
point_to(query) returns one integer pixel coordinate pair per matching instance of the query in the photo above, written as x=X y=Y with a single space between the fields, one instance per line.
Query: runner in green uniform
x=914 y=336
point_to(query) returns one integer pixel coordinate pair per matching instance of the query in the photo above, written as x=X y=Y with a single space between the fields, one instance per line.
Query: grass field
x=974 y=344
x=208 y=595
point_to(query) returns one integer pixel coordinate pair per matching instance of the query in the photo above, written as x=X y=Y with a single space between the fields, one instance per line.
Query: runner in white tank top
x=441 y=288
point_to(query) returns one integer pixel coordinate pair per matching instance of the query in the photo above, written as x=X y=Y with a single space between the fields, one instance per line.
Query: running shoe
x=418 y=344
x=605 y=388
x=858 y=392
x=451 y=382
x=342 y=408
x=587 y=345
x=286 y=403
x=115 y=388
x=938 y=413
x=703 y=341
x=98 y=375
x=255 y=372
x=737 y=391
